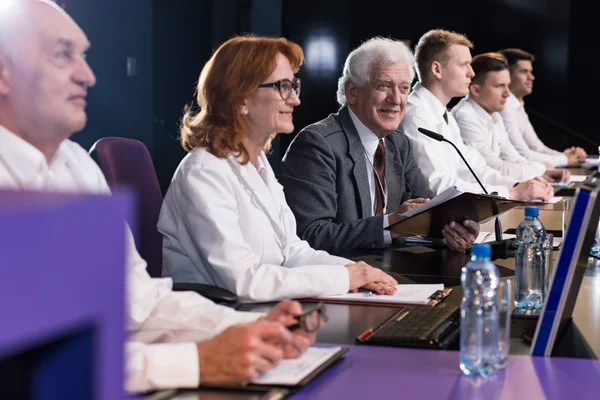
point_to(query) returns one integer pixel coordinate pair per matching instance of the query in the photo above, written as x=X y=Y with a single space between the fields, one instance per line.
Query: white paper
x=446 y=195
x=578 y=178
x=291 y=372
x=405 y=294
x=591 y=161
x=483 y=236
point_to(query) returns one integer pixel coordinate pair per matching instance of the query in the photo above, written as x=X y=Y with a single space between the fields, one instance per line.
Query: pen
x=365 y=334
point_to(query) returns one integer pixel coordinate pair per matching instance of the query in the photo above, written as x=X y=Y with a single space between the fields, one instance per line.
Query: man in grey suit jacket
x=330 y=171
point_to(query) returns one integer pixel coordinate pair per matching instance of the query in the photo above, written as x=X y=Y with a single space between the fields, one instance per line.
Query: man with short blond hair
x=443 y=62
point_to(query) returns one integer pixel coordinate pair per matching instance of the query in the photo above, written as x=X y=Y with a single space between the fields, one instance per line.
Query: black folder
x=476 y=207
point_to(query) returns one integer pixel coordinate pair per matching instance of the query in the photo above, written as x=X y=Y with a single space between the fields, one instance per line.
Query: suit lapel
x=357 y=153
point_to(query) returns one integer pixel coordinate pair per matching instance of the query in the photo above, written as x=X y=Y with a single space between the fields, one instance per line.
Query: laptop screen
x=570 y=269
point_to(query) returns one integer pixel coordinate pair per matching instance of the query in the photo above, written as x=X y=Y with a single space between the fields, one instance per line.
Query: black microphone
x=441 y=138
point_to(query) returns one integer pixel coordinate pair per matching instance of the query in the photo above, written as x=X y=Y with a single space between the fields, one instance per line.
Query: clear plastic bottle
x=479 y=314
x=529 y=262
x=595 y=252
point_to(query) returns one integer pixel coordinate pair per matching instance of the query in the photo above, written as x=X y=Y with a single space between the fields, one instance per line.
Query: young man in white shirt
x=481 y=126
x=520 y=131
x=177 y=339
x=443 y=61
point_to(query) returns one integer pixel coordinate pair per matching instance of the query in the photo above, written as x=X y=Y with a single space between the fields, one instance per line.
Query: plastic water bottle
x=595 y=252
x=479 y=314
x=596 y=246
x=529 y=262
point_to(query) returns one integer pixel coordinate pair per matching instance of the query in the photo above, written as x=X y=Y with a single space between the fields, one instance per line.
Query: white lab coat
x=523 y=136
x=486 y=133
x=227 y=224
x=438 y=161
x=163 y=325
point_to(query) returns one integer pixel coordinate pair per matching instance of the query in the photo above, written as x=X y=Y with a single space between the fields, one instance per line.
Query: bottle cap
x=531 y=211
x=481 y=250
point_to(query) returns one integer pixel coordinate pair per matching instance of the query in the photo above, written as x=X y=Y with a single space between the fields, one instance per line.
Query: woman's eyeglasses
x=285 y=87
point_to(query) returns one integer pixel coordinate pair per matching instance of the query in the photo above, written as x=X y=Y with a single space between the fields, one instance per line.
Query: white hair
x=373 y=53
x=15 y=21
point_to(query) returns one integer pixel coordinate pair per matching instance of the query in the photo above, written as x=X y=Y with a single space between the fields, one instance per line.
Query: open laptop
x=570 y=268
x=417 y=326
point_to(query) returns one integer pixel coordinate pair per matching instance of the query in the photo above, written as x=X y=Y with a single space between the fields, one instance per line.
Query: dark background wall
x=166 y=43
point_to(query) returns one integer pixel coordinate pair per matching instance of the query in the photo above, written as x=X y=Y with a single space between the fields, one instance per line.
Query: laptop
x=556 y=314
x=417 y=326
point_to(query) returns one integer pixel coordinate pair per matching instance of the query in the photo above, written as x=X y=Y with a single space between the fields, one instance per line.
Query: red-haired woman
x=225 y=219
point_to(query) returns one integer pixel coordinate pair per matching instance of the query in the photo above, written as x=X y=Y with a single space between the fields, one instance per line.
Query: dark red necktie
x=379 y=175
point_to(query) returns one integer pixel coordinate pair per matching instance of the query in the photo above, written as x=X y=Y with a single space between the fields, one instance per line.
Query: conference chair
x=127 y=163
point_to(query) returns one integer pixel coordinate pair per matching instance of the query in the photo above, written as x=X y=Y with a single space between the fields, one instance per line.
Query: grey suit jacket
x=324 y=175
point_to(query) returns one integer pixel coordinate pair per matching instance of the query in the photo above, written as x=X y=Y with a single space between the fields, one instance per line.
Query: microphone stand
x=500 y=248
x=498 y=225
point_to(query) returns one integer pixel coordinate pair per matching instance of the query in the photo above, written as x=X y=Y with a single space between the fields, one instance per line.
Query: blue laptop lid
x=570 y=269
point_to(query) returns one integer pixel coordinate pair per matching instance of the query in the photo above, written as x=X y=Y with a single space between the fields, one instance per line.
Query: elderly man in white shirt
x=177 y=339
x=481 y=125
x=443 y=61
x=520 y=131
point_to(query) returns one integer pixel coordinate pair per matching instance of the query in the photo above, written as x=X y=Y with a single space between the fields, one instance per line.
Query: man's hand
x=242 y=352
x=286 y=312
x=533 y=189
x=572 y=159
x=578 y=152
x=557 y=175
x=461 y=237
x=408 y=205
x=362 y=275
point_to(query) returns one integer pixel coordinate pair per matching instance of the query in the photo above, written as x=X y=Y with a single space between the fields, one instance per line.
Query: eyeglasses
x=285 y=87
x=312 y=320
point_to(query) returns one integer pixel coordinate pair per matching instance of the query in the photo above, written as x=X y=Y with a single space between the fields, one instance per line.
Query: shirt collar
x=485 y=117
x=368 y=138
x=24 y=160
x=516 y=103
x=432 y=102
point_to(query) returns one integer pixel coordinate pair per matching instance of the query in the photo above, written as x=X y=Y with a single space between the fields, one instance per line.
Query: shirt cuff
x=540 y=168
x=387 y=235
x=173 y=365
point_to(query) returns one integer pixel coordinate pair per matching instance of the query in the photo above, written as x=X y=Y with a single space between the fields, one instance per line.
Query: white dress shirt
x=163 y=324
x=486 y=133
x=229 y=225
x=523 y=136
x=438 y=161
x=370 y=141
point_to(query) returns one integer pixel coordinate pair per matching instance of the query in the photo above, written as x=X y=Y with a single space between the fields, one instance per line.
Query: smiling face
x=381 y=103
x=455 y=72
x=522 y=78
x=44 y=84
x=266 y=112
x=492 y=94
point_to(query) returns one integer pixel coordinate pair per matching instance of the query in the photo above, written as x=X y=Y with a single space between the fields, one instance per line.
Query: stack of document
x=405 y=294
x=293 y=372
x=590 y=162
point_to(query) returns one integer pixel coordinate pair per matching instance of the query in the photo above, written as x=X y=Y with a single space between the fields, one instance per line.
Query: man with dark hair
x=443 y=61
x=520 y=131
x=481 y=126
